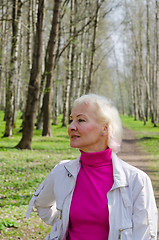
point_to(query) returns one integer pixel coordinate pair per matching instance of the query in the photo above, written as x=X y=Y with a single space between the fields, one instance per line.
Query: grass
x=148 y=136
x=21 y=172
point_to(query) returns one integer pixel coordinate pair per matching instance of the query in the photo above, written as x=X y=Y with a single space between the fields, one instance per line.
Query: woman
x=97 y=196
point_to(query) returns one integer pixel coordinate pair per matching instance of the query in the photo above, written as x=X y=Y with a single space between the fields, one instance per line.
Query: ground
x=134 y=154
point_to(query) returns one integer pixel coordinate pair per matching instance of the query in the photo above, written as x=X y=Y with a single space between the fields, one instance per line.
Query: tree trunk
x=6 y=59
x=18 y=68
x=86 y=51
x=34 y=15
x=135 y=100
x=119 y=84
x=56 y=82
x=2 y=44
x=141 y=76
x=80 y=67
x=49 y=68
x=29 y=34
x=90 y=76
x=56 y=106
x=157 y=62
x=148 y=74
x=73 y=54
x=13 y=73
x=67 y=90
x=40 y=103
x=34 y=84
x=68 y=83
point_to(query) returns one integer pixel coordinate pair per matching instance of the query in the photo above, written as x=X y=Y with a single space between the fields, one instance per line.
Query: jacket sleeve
x=144 y=210
x=44 y=201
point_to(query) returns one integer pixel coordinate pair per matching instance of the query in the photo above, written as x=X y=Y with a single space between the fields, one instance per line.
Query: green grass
x=148 y=136
x=139 y=126
x=21 y=172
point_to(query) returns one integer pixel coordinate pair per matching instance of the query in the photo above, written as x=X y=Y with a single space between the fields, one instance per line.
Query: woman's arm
x=144 y=211
x=44 y=200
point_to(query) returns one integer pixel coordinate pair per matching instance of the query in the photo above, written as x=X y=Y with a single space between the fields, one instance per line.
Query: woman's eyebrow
x=81 y=114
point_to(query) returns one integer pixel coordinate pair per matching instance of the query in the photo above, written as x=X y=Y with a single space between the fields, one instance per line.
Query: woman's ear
x=105 y=130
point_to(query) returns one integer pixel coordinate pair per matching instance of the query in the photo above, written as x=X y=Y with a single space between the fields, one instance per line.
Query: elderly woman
x=97 y=196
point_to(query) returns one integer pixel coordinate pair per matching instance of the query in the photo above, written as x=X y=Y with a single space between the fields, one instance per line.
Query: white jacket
x=131 y=202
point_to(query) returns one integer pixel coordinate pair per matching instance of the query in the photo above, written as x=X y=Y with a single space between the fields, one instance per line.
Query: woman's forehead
x=83 y=109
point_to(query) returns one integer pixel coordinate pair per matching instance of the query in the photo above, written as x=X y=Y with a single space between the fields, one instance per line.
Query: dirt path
x=132 y=153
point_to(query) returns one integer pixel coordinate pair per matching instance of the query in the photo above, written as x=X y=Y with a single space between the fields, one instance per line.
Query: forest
x=52 y=52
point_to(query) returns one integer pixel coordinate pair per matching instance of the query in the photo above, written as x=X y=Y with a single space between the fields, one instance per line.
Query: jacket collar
x=118 y=172
x=120 y=180
x=73 y=167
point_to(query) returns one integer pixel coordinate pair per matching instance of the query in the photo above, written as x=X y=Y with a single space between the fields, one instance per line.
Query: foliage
x=8 y=223
x=21 y=172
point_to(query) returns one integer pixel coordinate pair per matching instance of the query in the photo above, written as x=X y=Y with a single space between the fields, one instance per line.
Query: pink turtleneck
x=89 y=216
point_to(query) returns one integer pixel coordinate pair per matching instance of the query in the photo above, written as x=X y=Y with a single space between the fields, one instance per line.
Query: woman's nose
x=72 y=126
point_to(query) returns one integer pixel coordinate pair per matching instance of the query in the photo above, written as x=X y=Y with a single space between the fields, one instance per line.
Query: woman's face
x=84 y=131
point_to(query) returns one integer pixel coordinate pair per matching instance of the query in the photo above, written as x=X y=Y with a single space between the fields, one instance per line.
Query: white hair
x=108 y=114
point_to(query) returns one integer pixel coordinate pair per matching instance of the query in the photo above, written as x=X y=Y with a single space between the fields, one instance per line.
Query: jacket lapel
x=73 y=167
x=118 y=173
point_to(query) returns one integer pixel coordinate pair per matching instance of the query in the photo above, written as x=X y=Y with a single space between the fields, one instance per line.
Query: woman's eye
x=81 y=120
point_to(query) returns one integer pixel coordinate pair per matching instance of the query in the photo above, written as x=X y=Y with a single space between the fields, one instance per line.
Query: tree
x=84 y=59
x=93 y=46
x=140 y=22
x=157 y=64
x=29 y=34
x=3 y=37
x=34 y=84
x=49 y=68
x=69 y=68
x=13 y=72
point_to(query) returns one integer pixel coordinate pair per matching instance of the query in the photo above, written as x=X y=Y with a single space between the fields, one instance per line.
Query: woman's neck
x=96 y=159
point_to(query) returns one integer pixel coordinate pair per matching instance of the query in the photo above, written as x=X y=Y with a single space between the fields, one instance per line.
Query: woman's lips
x=75 y=136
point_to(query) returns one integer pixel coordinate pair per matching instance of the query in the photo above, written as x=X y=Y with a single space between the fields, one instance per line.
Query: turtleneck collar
x=97 y=159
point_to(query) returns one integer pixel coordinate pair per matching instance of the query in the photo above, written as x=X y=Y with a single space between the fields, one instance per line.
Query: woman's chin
x=73 y=145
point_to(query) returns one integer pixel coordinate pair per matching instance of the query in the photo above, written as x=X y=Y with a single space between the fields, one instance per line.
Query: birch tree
x=2 y=50
x=29 y=33
x=93 y=46
x=157 y=65
x=68 y=80
x=13 y=72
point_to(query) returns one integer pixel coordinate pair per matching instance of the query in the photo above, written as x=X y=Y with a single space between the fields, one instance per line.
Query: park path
x=132 y=153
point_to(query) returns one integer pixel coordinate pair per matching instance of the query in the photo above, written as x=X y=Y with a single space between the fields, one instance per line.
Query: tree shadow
x=140 y=139
x=148 y=138
x=4 y=147
x=15 y=200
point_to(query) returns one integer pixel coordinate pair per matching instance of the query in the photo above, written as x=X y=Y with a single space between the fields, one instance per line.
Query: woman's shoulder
x=132 y=173
x=132 y=169
x=65 y=164
x=135 y=174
